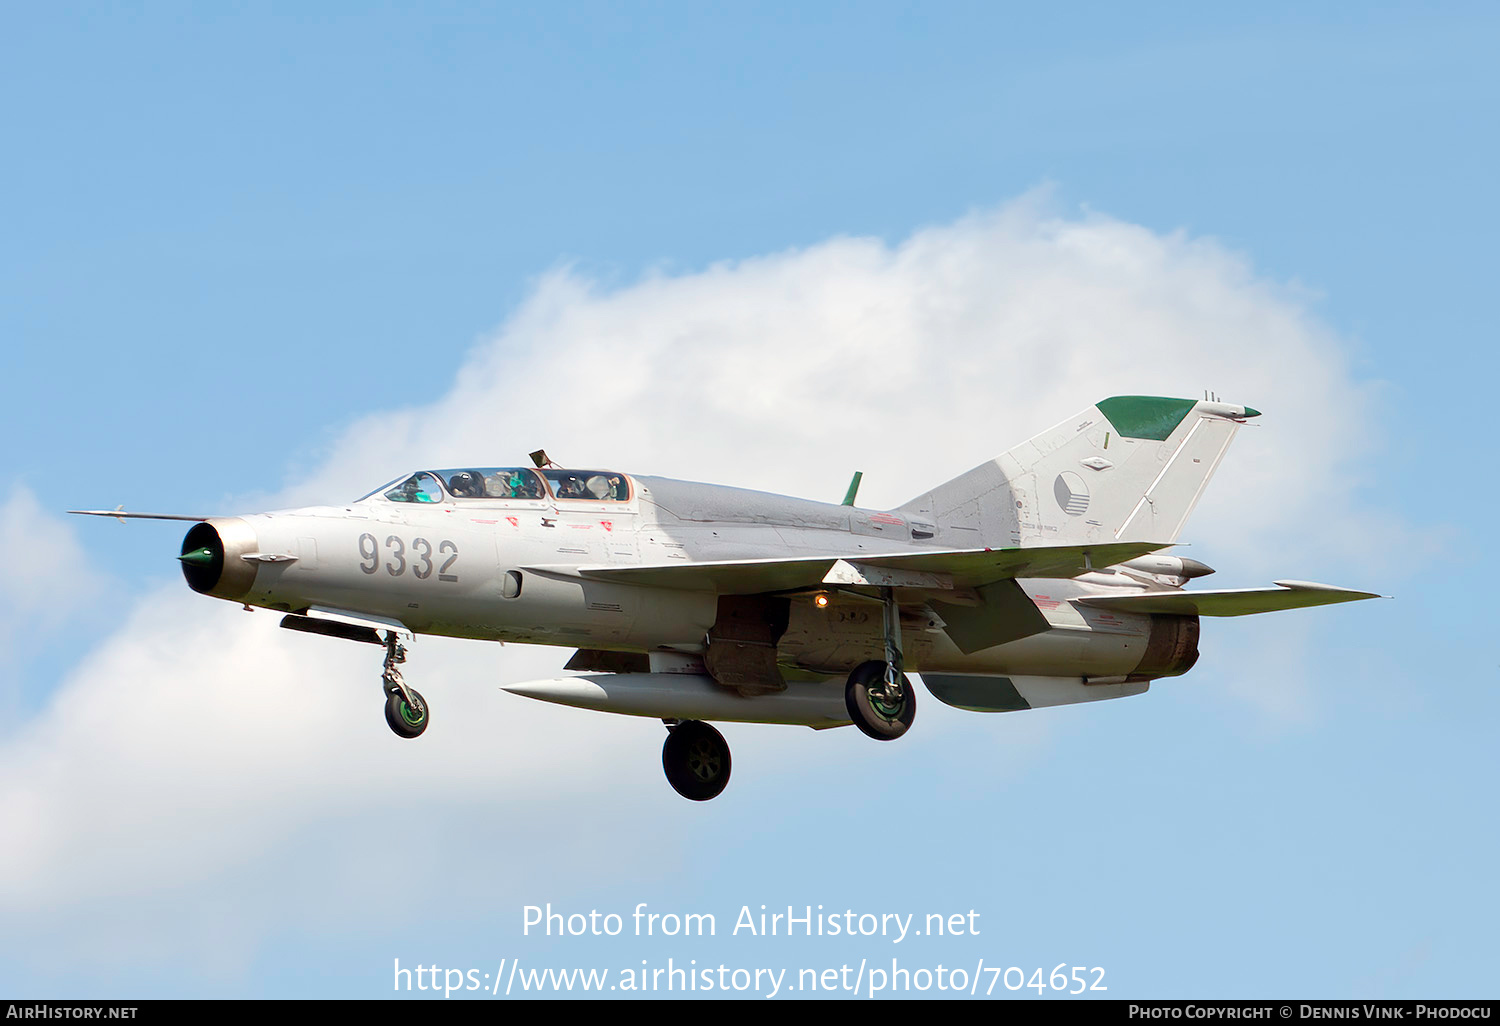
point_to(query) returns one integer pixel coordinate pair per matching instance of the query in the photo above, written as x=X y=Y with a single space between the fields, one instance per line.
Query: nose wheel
x=405 y=708
x=696 y=760
x=406 y=716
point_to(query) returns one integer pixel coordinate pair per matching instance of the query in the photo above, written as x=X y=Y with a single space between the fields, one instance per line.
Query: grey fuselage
x=507 y=570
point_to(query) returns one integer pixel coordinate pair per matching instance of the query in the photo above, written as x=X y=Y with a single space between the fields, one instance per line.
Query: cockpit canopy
x=505 y=483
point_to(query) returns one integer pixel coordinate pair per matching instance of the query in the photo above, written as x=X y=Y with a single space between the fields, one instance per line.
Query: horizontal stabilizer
x=1235 y=602
x=967 y=568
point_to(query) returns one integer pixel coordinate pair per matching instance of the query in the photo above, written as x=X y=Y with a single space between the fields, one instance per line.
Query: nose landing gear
x=405 y=708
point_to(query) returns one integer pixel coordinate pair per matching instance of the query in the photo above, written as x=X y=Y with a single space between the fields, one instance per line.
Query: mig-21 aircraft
x=1036 y=579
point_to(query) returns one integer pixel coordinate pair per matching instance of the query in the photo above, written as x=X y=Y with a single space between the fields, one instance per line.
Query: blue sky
x=245 y=252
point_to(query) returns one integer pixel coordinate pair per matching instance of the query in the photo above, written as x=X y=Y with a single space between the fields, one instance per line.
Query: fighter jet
x=1039 y=578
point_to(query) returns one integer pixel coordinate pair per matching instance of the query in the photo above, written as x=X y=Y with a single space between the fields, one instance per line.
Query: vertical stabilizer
x=1130 y=468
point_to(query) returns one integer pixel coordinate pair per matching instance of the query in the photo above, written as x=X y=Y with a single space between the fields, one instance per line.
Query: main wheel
x=696 y=759
x=406 y=720
x=871 y=711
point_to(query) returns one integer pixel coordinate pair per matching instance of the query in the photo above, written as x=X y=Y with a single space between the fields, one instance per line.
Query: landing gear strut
x=696 y=759
x=405 y=709
x=879 y=697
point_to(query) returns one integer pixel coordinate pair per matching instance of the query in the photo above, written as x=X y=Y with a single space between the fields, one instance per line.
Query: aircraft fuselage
x=503 y=570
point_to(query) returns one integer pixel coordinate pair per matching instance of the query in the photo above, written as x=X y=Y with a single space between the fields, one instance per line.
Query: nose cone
x=198 y=557
x=212 y=559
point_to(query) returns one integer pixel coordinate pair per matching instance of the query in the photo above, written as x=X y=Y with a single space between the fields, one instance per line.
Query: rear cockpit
x=504 y=484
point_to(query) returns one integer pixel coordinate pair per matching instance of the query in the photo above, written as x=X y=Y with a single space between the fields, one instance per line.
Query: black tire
x=696 y=760
x=872 y=714
x=402 y=718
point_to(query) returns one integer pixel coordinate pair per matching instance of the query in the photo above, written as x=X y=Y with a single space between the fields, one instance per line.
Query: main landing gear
x=879 y=697
x=880 y=700
x=405 y=709
x=880 y=707
x=696 y=759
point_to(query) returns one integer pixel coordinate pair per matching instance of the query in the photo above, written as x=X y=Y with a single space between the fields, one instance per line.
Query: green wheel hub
x=885 y=709
x=872 y=708
x=407 y=719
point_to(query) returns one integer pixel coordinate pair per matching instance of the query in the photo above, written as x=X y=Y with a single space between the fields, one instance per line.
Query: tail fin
x=1130 y=468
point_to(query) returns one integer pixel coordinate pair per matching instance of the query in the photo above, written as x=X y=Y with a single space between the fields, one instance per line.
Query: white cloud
x=912 y=362
x=48 y=576
x=201 y=751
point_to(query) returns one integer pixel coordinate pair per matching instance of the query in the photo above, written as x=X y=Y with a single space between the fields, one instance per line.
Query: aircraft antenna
x=853 y=488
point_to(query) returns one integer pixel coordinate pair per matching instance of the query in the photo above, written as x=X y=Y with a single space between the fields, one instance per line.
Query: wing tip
x=1352 y=593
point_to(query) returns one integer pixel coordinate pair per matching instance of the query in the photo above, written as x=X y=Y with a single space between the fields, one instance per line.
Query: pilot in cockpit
x=511 y=484
x=466 y=485
x=413 y=490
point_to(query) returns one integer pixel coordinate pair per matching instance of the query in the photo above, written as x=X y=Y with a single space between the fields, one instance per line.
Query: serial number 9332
x=419 y=559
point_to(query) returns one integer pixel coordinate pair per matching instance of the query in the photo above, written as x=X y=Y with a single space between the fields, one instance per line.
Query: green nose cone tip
x=198 y=557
